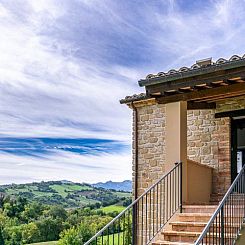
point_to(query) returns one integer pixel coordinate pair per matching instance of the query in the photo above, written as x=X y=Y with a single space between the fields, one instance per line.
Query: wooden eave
x=206 y=88
x=192 y=73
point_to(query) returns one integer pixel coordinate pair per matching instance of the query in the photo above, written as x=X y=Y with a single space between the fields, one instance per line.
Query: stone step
x=180 y=236
x=191 y=237
x=194 y=217
x=188 y=226
x=199 y=226
x=205 y=217
x=199 y=208
x=159 y=242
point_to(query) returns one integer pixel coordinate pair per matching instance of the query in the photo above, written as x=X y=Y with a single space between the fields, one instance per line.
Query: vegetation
x=34 y=221
x=112 y=208
x=64 y=193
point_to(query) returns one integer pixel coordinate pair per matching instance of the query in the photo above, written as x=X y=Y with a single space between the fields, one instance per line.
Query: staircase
x=186 y=227
x=158 y=217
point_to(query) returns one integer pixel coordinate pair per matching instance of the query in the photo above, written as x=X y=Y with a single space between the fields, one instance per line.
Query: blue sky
x=64 y=65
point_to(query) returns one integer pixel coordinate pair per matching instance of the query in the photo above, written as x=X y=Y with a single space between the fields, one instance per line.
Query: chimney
x=204 y=62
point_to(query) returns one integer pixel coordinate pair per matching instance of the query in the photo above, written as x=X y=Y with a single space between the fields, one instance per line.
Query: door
x=237 y=146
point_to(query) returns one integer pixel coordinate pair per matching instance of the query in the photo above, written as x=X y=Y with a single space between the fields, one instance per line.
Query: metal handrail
x=136 y=201
x=220 y=207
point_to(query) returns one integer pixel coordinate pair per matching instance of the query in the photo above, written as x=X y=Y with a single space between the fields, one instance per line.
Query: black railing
x=226 y=222
x=139 y=223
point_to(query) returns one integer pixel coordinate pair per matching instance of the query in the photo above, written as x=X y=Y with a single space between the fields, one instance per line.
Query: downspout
x=135 y=127
x=136 y=150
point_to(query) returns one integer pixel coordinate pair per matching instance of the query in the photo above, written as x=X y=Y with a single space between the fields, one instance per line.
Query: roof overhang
x=195 y=72
x=202 y=85
x=208 y=85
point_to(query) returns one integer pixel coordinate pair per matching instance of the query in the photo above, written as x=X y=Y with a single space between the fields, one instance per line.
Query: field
x=45 y=243
x=118 y=238
x=112 y=208
x=65 y=189
x=67 y=194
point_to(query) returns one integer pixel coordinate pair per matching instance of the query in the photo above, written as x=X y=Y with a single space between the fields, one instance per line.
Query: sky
x=65 y=64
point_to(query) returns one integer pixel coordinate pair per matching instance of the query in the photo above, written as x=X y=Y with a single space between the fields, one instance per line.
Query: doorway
x=237 y=146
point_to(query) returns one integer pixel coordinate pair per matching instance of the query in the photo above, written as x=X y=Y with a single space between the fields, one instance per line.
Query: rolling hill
x=125 y=185
x=65 y=193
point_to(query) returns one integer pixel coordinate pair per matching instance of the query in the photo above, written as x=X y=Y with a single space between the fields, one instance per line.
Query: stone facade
x=208 y=141
x=151 y=144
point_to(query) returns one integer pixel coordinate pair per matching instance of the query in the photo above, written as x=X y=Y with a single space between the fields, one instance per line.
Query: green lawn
x=112 y=208
x=123 y=194
x=64 y=189
x=117 y=236
x=45 y=243
x=13 y=191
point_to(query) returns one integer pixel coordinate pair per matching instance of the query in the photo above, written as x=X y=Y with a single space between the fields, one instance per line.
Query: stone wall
x=151 y=158
x=208 y=142
x=151 y=144
x=231 y=104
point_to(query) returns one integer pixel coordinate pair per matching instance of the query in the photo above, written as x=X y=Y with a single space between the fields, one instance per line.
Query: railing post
x=243 y=191
x=222 y=226
x=181 y=186
x=134 y=225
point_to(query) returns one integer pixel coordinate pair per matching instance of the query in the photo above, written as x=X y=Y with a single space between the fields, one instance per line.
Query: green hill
x=67 y=194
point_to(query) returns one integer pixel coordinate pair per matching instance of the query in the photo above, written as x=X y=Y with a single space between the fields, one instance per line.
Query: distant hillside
x=65 y=193
x=126 y=185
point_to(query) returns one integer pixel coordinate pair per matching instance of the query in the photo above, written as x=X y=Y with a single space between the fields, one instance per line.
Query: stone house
x=195 y=116
x=188 y=158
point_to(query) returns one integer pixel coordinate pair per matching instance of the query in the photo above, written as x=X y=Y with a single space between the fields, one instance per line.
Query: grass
x=64 y=189
x=45 y=243
x=112 y=208
x=117 y=236
x=123 y=194
x=85 y=200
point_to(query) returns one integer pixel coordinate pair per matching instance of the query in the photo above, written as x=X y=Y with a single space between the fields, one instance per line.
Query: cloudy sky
x=64 y=65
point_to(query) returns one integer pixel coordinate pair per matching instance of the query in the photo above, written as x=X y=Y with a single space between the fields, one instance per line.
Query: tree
x=58 y=212
x=70 y=237
x=1 y=237
x=13 y=208
x=32 y=211
x=30 y=233
x=49 y=228
x=76 y=236
x=2 y=199
x=13 y=235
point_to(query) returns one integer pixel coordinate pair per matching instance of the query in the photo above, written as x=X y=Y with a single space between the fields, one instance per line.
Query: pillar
x=176 y=139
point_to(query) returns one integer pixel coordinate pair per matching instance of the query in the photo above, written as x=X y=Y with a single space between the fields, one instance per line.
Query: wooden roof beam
x=212 y=98
x=200 y=105
x=234 y=113
x=207 y=93
x=195 y=81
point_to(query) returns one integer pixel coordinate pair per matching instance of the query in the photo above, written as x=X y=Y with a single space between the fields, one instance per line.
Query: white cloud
x=65 y=165
x=43 y=85
x=64 y=65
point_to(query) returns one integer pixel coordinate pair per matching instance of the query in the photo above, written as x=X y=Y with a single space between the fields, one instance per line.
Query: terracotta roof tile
x=135 y=97
x=184 y=69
